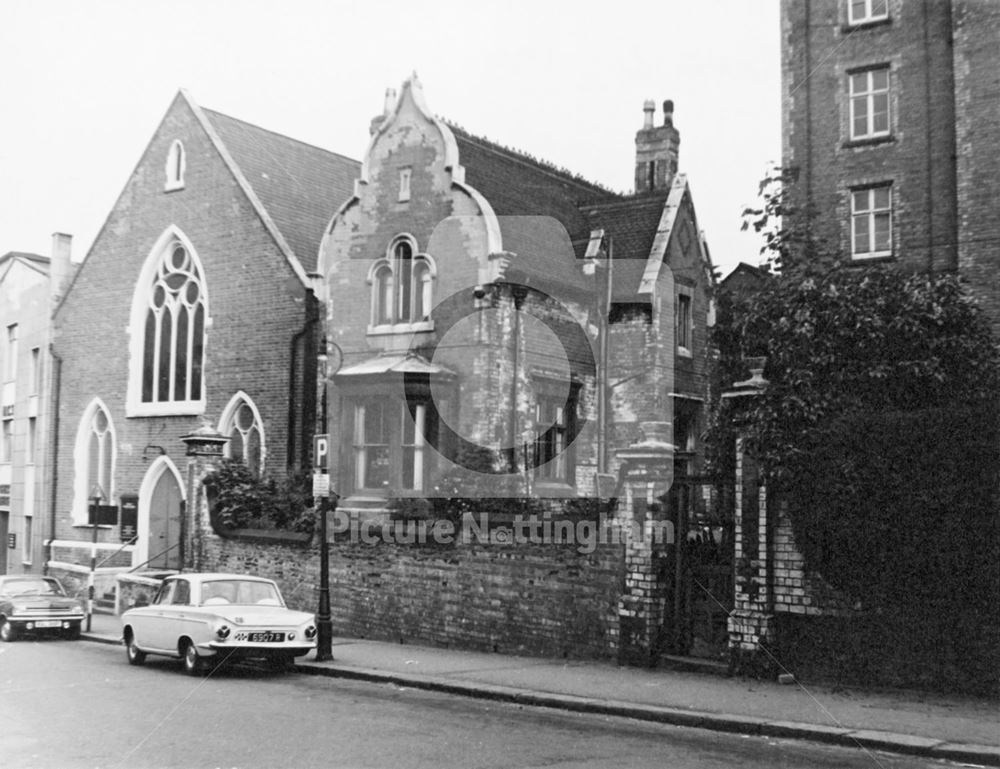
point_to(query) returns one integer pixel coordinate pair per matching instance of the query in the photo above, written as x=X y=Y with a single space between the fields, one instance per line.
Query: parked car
x=219 y=618
x=35 y=604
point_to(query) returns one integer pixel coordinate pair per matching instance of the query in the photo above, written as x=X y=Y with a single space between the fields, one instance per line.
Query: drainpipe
x=54 y=437
x=312 y=317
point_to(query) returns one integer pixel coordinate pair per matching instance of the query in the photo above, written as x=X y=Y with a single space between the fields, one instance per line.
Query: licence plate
x=48 y=623
x=265 y=638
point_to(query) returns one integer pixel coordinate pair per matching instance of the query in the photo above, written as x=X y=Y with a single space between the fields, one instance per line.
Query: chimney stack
x=656 y=150
x=60 y=265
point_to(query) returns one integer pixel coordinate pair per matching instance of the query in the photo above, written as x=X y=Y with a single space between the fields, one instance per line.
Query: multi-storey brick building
x=29 y=286
x=481 y=298
x=193 y=305
x=892 y=121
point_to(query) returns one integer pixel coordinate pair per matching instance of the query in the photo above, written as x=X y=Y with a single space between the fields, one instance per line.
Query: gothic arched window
x=242 y=424
x=169 y=322
x=402 y=286
x=93 y=458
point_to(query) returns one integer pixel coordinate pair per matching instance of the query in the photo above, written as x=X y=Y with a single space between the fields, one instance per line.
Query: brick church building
x=193 y=305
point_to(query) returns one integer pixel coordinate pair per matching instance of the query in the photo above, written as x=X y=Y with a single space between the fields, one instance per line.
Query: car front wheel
x=193 y=664
x=8 y=632
x=135 y=655
x=72 y=633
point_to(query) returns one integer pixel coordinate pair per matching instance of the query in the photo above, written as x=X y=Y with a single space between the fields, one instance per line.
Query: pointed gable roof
x=298 y=185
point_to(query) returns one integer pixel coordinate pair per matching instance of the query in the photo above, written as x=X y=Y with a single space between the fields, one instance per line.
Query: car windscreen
x=239 y=591
x=31 y=586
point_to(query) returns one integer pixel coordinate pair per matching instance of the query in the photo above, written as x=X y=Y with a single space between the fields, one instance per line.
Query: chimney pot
x=648 y=108
x=668 y=112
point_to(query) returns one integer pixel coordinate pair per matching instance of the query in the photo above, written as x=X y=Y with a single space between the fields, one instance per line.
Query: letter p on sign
x=321 y=451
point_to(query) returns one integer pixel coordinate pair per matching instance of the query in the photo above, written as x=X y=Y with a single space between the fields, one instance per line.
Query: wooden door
x=165 y=508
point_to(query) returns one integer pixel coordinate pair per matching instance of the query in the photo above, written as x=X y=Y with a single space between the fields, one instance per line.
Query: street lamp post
x=324 y=619
x=96 y=495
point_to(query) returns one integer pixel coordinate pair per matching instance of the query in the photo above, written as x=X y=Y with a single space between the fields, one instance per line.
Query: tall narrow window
x=242 y=424
x=99 y=449
x=176 y=165
x=35 y=385
x=869 y=103
x=684 y=322
x=404 y=184
x=552 y=447
x=404 y=275
x=31 y=443
x=93 y=459
x=412 y=444
x=10 y=367
x=863 y=11
x=871 y=222
x=371 y=444
x=174 y=331
x=6 y=440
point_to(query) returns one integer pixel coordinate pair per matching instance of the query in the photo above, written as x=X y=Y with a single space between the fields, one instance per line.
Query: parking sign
x=321 y=451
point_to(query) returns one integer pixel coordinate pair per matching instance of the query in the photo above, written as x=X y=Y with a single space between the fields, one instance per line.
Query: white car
x=219 y=618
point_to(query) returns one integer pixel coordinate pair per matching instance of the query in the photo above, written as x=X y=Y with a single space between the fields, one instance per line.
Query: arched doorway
x=161 y=512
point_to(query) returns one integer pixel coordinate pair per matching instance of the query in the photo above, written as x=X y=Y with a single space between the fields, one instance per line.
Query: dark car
x=30 y=603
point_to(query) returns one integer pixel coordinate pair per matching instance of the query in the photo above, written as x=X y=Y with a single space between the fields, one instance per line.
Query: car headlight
x=291 y=636
x=76 y=608
x=222 y=631
x=311 y=632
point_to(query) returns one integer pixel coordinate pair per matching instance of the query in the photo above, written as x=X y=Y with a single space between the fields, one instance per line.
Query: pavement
x=914 y=723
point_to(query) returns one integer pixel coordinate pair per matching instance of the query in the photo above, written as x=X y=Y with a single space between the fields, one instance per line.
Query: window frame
x=176 y=166
x=870 y=215
x=143 y=297
x=684 y=323
x=227 y=424
x=868 y=97
x=393 y=422
x=560 y=468
x=388 y=293
x=82 y=482
x=869 y=16
x=10 y=364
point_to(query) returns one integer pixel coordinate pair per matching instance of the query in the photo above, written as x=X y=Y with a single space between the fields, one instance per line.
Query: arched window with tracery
x=94 y=458
x=168 y=328
x=242 y=424
x=402 y=286
x=173 y=342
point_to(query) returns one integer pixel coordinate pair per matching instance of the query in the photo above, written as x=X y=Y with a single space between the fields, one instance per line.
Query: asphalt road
x=67 y=704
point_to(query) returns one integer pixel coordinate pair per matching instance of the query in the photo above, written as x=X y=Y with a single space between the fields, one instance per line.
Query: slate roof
x=521 y=188
x=632 y=223
x=300 y=186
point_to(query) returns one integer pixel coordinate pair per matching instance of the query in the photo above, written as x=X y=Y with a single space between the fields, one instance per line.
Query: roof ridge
x=539 y=163
x=657 y=198
x=278 y=134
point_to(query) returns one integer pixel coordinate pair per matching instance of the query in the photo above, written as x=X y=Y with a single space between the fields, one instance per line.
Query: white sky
x=83 y=85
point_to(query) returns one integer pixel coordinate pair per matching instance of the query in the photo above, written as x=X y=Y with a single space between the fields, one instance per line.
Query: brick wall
x=536 y=599
x=976 y=33
x=818 y=51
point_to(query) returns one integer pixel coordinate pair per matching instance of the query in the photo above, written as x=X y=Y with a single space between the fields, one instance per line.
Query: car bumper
x=45 y=621
x=256 y=650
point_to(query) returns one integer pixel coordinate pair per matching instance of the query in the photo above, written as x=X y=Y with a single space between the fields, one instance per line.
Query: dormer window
x=176 y=165
x=402 y=289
